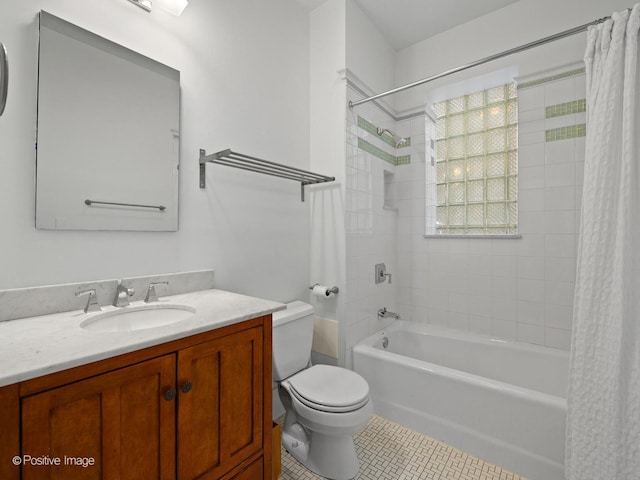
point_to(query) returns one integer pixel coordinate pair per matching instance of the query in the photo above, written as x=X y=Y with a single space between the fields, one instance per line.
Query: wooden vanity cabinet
x=120 y=419
x=198 y=407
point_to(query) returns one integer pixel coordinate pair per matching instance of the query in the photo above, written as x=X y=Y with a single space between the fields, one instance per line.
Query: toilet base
x=330 y=457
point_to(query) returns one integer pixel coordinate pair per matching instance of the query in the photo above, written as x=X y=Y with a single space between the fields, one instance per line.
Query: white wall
x=514 y=25
x=369 y=55
x=328 y=100
x=245 y=85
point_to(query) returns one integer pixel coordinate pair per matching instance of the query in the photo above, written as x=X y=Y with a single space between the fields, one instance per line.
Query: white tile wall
x=519 y=289
x=510 y=288
x=371 y=227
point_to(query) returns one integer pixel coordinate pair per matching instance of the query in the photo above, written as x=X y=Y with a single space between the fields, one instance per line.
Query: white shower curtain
x=603 y=425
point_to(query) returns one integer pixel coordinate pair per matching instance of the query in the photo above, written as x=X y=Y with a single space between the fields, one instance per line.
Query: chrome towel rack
x=258 y=165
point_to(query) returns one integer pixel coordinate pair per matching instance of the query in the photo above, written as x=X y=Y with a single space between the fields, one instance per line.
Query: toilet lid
x=331 y=389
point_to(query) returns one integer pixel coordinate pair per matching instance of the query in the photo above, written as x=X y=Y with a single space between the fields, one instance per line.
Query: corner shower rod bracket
x=511 y=51
x=258 y=165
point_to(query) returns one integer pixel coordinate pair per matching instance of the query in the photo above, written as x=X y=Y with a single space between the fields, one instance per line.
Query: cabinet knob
x=170 y=394
x=187 y=386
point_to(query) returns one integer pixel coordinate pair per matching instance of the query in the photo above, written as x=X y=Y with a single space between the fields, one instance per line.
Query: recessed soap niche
x=390 y=194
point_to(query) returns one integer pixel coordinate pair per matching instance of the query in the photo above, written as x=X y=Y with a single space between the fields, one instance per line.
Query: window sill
x=489 y=237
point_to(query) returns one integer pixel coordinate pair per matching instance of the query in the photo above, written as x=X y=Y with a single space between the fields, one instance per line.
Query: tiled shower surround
x=512 y=288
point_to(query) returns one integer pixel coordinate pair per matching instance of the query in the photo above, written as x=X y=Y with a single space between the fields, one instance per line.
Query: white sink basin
x=128 y=319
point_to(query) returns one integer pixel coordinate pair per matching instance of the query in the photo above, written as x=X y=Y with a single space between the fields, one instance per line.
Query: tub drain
x=385 y=342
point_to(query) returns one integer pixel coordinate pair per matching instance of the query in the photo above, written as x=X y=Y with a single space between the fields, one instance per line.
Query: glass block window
x=476 y=163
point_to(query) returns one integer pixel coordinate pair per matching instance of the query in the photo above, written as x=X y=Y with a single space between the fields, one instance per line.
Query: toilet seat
x=329 y=389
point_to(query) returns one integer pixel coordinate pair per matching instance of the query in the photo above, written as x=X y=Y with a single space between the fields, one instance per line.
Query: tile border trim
x=569 y=108
x=367 y=126
x=376 y=151
x=565 y=133
x=552 y=78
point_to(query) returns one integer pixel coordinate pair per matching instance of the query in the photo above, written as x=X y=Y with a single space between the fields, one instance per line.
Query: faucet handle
x=381 y=273
x=92 y=302
x=122 y=293
x=152 y=296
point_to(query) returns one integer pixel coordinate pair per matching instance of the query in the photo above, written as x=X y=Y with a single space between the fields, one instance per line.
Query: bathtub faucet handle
x=381 y=273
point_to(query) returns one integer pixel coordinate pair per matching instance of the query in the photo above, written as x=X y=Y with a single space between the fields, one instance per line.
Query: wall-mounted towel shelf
x=258 y=165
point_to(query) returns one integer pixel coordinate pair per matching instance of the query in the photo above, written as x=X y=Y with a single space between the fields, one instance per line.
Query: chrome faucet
x=92 y=300
x=384 y=313
x=122 y=293
x=152 y=296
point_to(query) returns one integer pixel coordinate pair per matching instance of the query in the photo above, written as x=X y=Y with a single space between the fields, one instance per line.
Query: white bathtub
x=504 y=402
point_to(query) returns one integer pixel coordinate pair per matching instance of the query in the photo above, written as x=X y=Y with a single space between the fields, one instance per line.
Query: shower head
x=398 y=141
x=382 y=131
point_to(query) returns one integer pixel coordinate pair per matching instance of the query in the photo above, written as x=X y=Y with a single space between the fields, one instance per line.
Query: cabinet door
x=9 y=431
x=120 y=419
x=220 y=417
x=252 y=472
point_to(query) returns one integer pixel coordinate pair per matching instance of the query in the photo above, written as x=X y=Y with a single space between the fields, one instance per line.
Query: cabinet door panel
x=252 y=472
x=238 y=384
x=220 y=418
x=120 y=419
x=199 y=411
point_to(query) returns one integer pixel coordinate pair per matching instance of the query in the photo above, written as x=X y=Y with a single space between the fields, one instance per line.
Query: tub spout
x=384 y=313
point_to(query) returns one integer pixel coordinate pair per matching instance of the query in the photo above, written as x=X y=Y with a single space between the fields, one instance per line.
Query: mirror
x=107 y=135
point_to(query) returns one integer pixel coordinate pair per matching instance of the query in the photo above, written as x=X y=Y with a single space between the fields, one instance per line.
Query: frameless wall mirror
x=108 y=134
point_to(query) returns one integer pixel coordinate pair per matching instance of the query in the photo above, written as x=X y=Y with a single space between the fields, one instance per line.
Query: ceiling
x=405 y=22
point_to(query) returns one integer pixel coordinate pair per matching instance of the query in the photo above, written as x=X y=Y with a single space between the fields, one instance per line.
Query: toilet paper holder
x=333 y=289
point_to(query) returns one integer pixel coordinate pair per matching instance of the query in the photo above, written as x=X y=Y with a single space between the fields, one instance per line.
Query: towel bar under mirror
x=258 y=165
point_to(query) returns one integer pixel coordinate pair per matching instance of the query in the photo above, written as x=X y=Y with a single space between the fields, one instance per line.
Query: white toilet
x=325 y=405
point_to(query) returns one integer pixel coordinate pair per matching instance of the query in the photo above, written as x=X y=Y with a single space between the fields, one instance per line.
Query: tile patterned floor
x=388 y=451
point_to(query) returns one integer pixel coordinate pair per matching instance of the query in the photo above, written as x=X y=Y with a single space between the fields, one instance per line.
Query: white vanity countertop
x=36 y=346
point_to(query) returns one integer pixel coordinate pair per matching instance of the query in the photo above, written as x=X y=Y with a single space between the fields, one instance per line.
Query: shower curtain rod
x=521 y=48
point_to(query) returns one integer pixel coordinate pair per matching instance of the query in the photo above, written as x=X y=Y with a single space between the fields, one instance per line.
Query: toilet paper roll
x=320 y=291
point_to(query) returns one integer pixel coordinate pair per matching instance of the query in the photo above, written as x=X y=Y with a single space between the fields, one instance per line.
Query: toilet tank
x=292 y=338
